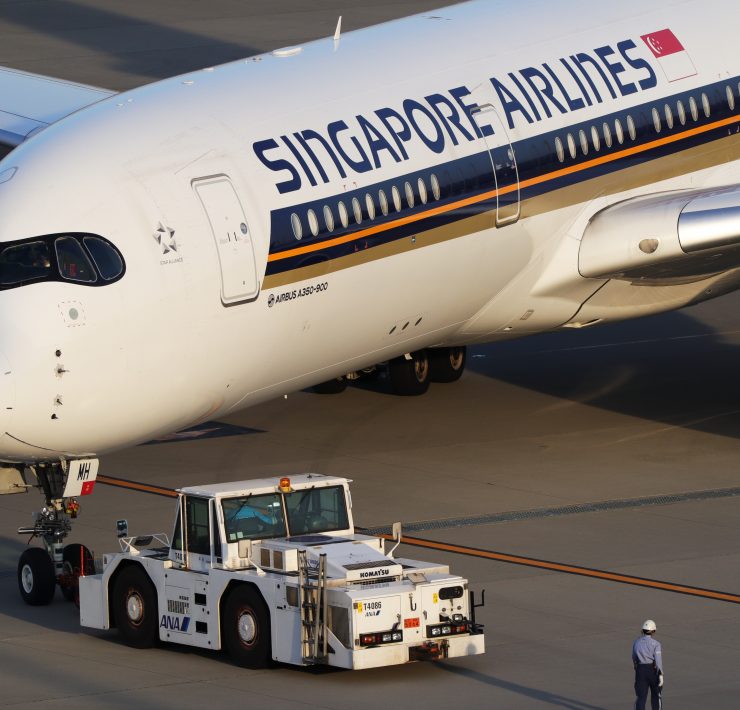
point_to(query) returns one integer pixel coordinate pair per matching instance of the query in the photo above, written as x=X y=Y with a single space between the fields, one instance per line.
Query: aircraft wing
x=665 y=238
x=30 y=102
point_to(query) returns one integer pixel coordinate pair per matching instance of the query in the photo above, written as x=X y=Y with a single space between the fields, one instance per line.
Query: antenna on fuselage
x=338 y=31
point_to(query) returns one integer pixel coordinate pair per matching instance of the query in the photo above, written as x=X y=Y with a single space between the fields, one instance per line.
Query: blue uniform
x=647 y=657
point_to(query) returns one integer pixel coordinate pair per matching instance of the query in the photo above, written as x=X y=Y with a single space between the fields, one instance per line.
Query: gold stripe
x=710 y=155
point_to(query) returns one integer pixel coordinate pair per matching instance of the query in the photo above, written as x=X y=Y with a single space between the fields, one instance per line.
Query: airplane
x=487 y=171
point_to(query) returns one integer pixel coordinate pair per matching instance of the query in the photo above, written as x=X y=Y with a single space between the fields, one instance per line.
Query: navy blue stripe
x=473 y=176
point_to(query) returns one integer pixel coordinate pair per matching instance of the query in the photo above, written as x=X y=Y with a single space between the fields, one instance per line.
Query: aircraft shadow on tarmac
x=671 y=369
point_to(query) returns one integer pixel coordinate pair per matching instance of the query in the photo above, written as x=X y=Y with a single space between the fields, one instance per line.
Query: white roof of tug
x=262 y=485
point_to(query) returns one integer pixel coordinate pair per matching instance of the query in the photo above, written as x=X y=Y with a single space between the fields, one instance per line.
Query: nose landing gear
x=41 y=569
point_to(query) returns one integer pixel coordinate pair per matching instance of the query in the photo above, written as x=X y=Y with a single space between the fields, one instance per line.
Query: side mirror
x=122 y=528
x=397 y=533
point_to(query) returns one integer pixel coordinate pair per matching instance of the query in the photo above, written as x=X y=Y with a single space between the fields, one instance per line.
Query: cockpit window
x=24 y=262
x=84 y=259
x=73 y=262
x=105 y=257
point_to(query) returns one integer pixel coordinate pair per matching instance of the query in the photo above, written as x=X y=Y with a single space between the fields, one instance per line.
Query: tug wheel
x=36 y=577
x=246 y=628
x=135 y=608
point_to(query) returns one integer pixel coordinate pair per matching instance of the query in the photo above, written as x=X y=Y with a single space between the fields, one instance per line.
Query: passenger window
x=422 y=187
x=409 y=194
x=383 y=200
x=631 y=127
x=357 y=209
x=295 y=222
x=436 y=191
x=571 y=145
x=706 y=105
x=370 y=204
x=396 y=198
x=329 y=218
x=559 y=150
x=343 y=214
x=584 y=141
x=694 y=108
x=313 y=223
x=619 y=131
x=730 y=98
x=595 y=138
x=24 y=262
x=681 y=112
x=669 y=116
x=607 y=135
x=106 y=258
x=656 y=121
x=73 y=263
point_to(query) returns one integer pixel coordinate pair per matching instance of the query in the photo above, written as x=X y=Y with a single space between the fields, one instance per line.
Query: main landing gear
x=40 y=570
x=411 y=374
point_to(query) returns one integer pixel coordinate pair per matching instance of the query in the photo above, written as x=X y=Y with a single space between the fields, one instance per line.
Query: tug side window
x=197 y=528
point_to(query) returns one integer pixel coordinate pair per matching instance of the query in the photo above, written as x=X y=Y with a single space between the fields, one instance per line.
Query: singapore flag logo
x=672 y=56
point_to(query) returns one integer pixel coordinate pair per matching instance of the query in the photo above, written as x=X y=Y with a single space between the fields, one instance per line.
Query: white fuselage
x=170 y=344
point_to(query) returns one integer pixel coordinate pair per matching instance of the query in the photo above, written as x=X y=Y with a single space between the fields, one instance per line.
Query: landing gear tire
x=77 y=561
x=335 y=386
x=410 y=378
x=135 y=608
x=37 y=580
x=246 y=628
x=446 y=364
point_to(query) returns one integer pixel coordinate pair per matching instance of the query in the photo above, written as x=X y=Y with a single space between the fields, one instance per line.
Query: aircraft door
x=503 y=162
x=234 y=241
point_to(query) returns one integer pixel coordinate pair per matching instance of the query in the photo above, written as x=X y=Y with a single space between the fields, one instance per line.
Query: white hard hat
x=649 y=626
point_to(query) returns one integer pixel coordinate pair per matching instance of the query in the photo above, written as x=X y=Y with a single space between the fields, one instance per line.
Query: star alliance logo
x=165 y=237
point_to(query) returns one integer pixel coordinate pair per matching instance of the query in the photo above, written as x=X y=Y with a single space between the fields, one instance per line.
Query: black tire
x=246 y=628
x=410 y=378
x=447 y=364
x=335 y=386
x=37 y=579
x=77 y=560
x=135 y=607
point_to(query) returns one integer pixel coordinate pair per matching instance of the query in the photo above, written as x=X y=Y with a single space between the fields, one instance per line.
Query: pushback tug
x=272 y=570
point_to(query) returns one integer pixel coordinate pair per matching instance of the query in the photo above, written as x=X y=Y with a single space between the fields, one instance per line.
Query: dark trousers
x=646 y=678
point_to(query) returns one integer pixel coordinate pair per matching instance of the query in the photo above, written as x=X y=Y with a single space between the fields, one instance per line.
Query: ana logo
x=174 y=623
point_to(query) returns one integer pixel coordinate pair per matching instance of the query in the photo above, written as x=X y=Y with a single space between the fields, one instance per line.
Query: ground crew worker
x=647 y=658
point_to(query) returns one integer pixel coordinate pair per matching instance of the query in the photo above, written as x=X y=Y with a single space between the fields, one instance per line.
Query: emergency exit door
x=234 y=242
x=503 y=162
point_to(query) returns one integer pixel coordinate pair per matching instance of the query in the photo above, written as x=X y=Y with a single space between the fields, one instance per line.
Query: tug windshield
x=254 y=517
x=317 y=510
x=260 y=517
